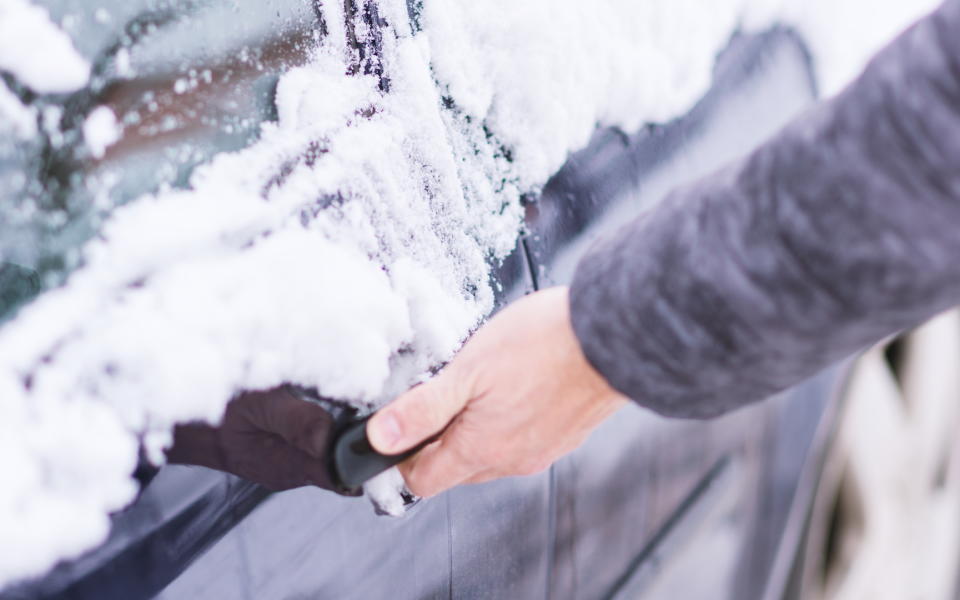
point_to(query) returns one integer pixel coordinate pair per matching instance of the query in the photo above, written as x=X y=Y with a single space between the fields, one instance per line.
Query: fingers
x=417 y=415
x=440 y=466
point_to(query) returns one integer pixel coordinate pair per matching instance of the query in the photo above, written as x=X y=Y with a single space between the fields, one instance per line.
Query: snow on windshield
x=349 y=247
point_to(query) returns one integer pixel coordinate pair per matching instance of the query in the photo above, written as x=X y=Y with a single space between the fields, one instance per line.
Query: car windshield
x=175 y=81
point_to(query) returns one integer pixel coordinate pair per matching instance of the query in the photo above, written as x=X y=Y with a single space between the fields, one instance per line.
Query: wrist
x=592 y=378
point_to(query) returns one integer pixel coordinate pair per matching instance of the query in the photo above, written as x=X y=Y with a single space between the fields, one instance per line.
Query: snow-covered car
x=207 y=197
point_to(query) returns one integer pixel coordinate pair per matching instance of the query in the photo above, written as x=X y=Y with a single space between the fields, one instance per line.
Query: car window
x=174 y=82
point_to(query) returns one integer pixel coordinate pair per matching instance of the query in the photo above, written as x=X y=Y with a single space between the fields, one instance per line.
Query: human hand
x=272 y=438
x=518 y=396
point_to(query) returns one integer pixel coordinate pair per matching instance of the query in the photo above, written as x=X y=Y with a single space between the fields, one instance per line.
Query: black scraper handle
x=355 y=461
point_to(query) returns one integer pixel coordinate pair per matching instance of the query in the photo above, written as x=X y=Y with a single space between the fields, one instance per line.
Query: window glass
x=172 y=83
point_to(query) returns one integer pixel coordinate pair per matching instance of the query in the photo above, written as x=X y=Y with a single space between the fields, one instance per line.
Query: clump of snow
x=386 y=491
x=65 y=465
x=348 y=249
x=16 y=118
x=37 y=52
x=101 y=130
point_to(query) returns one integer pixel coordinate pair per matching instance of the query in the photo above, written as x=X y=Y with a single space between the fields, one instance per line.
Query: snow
x=385 y=490
x=48 y=513
x=348 y=249
x=16 y=118
x=842 y=34
x=37 y=52
x=101 y=130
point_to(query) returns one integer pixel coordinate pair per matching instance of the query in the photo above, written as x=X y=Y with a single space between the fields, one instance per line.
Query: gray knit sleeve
x=841 y=230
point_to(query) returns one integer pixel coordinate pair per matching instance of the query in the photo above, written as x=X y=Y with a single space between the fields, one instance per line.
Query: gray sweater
x=841 y=230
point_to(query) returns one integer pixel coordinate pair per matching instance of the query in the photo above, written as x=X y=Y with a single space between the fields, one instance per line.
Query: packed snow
x=348 y=249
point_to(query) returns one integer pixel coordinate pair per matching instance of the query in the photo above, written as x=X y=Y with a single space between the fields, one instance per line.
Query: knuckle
x=436 y=405
x=424 y=412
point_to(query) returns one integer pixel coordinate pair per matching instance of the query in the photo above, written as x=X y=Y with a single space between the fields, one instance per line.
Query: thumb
x=416 y=415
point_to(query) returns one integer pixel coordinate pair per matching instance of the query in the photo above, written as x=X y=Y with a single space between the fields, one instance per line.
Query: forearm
x=843 y=229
